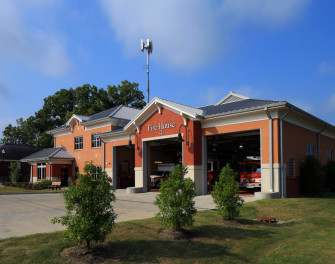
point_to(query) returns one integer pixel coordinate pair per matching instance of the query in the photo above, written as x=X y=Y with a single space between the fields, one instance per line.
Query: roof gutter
x=271 y=148
x=282 y=176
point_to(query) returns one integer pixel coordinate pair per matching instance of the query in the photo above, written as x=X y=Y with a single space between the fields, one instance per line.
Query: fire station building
x=274 y=134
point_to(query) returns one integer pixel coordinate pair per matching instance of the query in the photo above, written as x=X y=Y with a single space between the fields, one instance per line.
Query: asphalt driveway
x=24 y=214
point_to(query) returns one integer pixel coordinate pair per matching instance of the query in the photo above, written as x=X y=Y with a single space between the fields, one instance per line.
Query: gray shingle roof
x=188 y=109
x=246 y=104
x=50 y=153
x=100 y=115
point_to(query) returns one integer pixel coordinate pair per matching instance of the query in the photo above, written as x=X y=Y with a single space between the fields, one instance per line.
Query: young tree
x=225 y=195
x=14 y=172
x=89 y=211
x=175 y=201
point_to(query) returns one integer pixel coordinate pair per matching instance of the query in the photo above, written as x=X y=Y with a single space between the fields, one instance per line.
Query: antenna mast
x=148 y=47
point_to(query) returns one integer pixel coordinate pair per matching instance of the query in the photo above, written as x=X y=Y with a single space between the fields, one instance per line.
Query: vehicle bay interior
x=241 y=151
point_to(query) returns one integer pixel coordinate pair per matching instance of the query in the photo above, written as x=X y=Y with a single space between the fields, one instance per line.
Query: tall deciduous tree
x=58 y=108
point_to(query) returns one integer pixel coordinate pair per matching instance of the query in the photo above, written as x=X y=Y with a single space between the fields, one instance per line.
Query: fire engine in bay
x=250 y=173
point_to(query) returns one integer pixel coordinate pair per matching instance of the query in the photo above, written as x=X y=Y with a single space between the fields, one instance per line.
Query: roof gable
x=232 y=97
x=155 y=105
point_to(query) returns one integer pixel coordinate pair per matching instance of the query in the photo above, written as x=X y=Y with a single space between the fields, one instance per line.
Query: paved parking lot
x=25 y=214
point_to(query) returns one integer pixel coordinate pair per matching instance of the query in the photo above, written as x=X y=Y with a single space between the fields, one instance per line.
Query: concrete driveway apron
x=24 y=214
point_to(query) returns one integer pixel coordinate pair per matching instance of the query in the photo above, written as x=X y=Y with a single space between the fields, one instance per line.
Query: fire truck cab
x=250 y=174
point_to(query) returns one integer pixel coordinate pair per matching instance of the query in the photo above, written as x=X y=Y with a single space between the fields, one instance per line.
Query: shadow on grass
x=209 y=243
x=154 y=251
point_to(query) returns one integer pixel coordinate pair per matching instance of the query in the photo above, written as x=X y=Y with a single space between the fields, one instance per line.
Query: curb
x=16 y=193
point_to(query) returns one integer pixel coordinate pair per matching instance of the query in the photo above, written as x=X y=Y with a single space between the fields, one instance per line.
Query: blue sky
x=202 y=50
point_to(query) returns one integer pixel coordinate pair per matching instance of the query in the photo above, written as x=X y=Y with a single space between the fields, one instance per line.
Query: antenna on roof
x=148 y=47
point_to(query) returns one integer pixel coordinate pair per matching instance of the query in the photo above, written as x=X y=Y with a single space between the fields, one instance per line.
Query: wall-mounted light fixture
x=180 y=138
x=130 y=144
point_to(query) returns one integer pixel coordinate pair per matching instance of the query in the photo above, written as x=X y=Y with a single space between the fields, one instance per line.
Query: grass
x=9 y=189
x=306 y=234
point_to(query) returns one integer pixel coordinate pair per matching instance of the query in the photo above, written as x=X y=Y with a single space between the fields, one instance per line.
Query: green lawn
x=306 y=234
x=9 y=189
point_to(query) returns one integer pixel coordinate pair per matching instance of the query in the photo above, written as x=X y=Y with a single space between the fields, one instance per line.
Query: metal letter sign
x=160 y=127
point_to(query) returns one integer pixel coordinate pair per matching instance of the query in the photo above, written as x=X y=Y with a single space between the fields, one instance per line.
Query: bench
x=55 y=185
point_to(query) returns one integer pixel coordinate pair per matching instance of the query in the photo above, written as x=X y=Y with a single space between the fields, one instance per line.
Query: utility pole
x=148 y=47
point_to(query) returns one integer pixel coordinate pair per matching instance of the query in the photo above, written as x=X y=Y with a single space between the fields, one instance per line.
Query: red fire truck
x=250 y=174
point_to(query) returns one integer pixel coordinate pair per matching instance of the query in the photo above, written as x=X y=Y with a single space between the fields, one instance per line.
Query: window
x=96 y=142
x=310 y=150
x=330 y=154
x=78 y=143
x=97 y=171
x=291 y=168
x=41 y=171
x=76 y=172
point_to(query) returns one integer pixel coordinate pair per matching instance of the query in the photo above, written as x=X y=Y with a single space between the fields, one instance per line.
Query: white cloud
x=190 y=33
x=327 y=68
x=30 y=45
x=212 y=95
x=303 y=105
x=330 y=105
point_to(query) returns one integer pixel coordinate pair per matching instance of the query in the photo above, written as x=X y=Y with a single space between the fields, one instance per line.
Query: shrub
x=224 y=194
x=175 y=201
x=89 y=211
x=41 y=185
x=310 y=176
x=14 y=172
x=329 y=170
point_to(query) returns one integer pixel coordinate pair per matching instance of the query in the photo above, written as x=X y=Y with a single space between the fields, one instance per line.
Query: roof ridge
x=176 y=103
x=56 y=151
x=115 y=111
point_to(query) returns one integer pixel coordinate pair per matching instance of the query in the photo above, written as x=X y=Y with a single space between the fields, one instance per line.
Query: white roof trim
x=74 y=116
x=156 y=104
x=232 y=94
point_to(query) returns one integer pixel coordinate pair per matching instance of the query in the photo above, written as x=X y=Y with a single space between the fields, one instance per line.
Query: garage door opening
x=125 y=164
x=242 y=151
x=163 y=155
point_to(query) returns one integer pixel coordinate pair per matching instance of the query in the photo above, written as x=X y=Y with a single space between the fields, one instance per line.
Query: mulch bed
x=98 y=254
x=181 y=235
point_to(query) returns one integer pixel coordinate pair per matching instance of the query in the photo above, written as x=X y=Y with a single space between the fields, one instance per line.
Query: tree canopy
x=58 y=108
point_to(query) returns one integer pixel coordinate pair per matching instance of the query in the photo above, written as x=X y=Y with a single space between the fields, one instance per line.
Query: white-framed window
x=310 y=150
x=96 y=141
x=291 y=168
x=98 y=171
x=41 y=171
x=330 y=154
x=78 y=143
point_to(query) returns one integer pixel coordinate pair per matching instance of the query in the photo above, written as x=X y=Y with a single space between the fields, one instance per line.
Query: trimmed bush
x=311 y=181
x=175 y=201
x=225 y=195
x=329 y=170
x=41 y=185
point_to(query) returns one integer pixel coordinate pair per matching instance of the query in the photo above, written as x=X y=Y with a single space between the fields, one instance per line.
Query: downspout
x=103 y=155
x=281 y=153
x=319 y=148
x=31 y=173
x=271 y=148
x=49 y=168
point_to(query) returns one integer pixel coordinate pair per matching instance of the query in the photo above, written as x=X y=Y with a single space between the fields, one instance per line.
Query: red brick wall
x=295 y=140
x=191 y=153
x=87 y=153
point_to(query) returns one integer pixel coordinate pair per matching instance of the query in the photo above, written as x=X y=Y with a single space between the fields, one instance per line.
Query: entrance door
x=64 y=177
